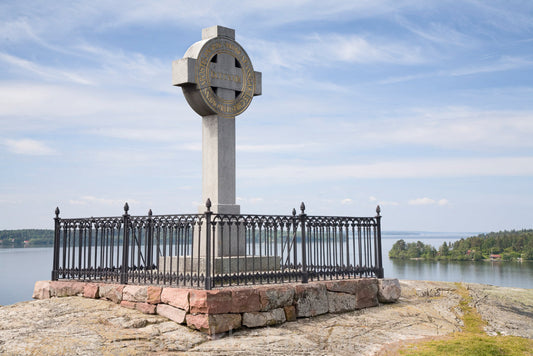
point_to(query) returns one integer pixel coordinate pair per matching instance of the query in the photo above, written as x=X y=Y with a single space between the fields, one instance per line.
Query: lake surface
x=21 y=267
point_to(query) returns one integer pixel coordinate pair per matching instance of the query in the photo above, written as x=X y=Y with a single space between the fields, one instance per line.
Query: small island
x=504 y=245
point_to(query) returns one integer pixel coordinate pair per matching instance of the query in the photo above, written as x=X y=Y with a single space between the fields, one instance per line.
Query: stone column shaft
x=218 y=163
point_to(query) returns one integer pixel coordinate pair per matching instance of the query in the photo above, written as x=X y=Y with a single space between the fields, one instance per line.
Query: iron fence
x=215 y=250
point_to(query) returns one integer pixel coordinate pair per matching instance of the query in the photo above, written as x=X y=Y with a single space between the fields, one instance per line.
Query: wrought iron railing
x=215 y=250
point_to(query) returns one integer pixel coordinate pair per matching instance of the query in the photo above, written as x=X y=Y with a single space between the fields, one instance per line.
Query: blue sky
x=425 y=108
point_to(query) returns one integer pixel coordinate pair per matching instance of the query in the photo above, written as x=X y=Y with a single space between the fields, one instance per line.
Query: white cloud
x=428 y=201
x=326 y=50
x=375 y=200
x=447 y=127
x=357 y=49
x=148 y=133
x=17 y=30
x=252 y=200
x=92 y=200
x=29 y=147
x=502 y=64
x=102 y=112
x=421 y=201
x=438 y=33
x=443 y=202
x=419 y=168
x=388 y=203
x=272 y=148
x=240 y=14
x=346 y=201
x=45 y=72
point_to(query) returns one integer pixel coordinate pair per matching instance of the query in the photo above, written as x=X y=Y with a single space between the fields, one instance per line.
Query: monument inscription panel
x=223 y=63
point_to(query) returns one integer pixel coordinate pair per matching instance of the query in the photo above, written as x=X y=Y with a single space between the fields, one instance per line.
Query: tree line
x=504 y=245
x=32 y=237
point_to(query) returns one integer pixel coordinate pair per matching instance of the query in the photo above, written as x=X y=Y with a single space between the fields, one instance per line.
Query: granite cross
x=218 y=81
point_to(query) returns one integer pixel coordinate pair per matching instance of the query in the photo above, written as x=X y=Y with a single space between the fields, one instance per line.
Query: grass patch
x=472 y=340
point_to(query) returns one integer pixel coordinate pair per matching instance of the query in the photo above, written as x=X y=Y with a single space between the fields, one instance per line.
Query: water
x=21 y=267
x=505 y=274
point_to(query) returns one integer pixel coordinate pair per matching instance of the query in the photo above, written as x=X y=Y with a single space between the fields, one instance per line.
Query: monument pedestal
x=220 y=265
x=226 y=238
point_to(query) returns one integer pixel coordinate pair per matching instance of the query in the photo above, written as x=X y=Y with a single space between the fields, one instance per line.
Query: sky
x=425 y=108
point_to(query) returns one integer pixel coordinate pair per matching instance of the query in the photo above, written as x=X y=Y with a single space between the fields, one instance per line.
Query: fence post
x=379 y=256
x=125 y=246
x=293 y=242
x=303 y=217
x=207 y=215
x=57 y=231
x=150 y=243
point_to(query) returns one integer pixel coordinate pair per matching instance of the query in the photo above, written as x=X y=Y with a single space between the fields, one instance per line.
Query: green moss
x=472 y=340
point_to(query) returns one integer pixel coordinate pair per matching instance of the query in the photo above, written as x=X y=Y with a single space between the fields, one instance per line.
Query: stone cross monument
x=219 y=82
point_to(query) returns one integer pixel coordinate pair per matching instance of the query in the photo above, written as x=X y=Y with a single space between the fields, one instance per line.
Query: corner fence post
x=207 y=215
x=125 y=246
x=57 y=231
x=303 y=217
x=379 y=256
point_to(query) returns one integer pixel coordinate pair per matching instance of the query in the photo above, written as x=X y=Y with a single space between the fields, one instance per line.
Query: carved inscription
x=240 y=79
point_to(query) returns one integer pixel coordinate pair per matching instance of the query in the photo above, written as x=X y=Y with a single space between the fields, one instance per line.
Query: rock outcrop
x=84 y=326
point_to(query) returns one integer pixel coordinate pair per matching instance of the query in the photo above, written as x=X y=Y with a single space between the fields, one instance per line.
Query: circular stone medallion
x=233 y=72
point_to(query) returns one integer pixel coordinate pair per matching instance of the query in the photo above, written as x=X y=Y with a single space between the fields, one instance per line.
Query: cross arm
x=183 y=72
x=258 y=84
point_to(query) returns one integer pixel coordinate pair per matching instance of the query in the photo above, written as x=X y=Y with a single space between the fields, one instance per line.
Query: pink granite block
x=41 y=290
x=174 y=314
x=176 y=297
x=135 y=293
x=145 y=308
x=127 y=304
x=91 y=291
x=273 y=297
x=210 y=301
x=214 y=324
x=245 y=300
x=154 y=295
x=66 y=288
x=112 y=292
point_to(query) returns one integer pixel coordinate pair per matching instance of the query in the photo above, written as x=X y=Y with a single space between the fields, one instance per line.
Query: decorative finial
x=208 y=204
x=293 y=212
x=378 y=210
x=302 y=207
x=126 y=207
x=57 y=212
x=150 y=212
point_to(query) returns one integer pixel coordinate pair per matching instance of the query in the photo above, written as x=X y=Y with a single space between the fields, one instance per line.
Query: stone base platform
x=221 y=265
x=222 y=310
